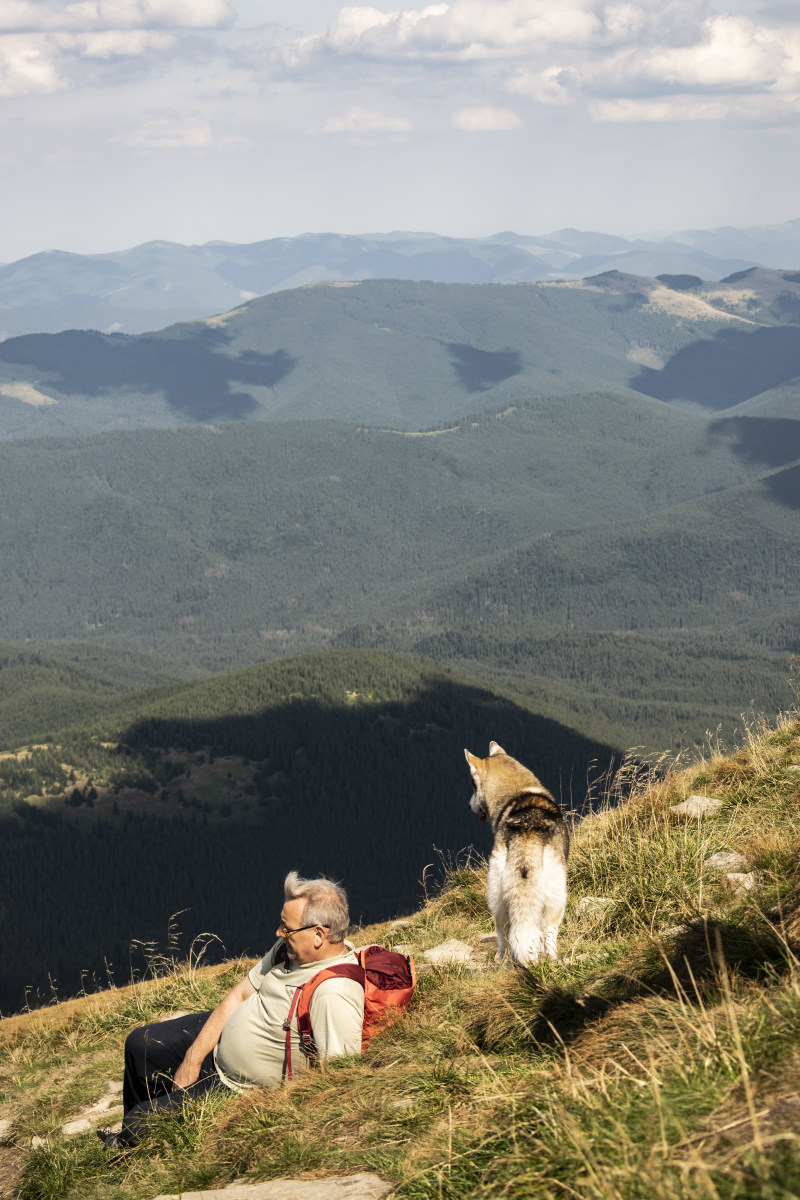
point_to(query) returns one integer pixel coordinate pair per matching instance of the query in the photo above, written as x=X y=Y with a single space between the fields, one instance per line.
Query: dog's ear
x=474 y=762
x=495 y=749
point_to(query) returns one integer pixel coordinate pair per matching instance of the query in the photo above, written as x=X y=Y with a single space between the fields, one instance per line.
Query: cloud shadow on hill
x=725 y=370
x=479 y=370
x=364 y=792
x=785 y=487
x=774 y=441
x=193 y=373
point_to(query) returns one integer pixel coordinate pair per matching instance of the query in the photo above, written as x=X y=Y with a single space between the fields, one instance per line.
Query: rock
x=487 y=942
x=5 y=1128
x=673 y=931
x=697 y=806
x=593 y=904
x=346 y=1187
x=88 y=1118
x=451 y=952
x=740 y=881
x=400 y=923
x=38 y=1142
x=72 y=1128
x=406 y=1102
x=793 y=767
x=726 y=861
x=403 y=948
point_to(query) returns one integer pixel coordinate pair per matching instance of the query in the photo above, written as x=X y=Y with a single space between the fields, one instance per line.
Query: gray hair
x=326 y=903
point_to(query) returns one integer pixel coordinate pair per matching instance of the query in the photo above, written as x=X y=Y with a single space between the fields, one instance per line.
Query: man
x=242 y=1043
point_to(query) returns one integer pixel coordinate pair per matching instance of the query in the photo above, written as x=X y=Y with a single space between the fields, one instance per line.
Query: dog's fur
x=527 y=884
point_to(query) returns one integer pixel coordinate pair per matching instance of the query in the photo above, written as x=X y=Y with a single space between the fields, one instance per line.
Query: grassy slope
x=658 y=1057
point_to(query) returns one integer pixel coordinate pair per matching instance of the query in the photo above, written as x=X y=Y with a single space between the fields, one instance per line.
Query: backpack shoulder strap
x=302 y=1002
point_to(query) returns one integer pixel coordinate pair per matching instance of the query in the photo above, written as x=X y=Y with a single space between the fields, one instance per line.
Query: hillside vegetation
x=569 y=547
x=411 y=355
x=658 y=1057
x=194 y=797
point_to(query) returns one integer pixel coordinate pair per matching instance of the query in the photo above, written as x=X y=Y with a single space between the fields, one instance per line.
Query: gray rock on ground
x=741 y=881
x=697 y=806
x=109 y=1105
x=346 y=1187
x=589 y=905
x=452 y=953
x=725 y=861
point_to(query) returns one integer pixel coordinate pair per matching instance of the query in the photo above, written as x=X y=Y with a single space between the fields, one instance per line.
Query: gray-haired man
x=242 y=1043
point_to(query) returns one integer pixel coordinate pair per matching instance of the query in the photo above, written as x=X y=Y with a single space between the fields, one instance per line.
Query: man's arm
x=189 y=1070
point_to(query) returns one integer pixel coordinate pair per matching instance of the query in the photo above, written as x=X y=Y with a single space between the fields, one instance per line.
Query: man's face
x=303 y=946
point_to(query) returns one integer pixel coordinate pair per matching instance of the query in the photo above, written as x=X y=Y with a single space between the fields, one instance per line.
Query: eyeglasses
x=284 y=932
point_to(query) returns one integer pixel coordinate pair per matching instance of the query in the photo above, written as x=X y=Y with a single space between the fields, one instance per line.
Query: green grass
x=659 y=1056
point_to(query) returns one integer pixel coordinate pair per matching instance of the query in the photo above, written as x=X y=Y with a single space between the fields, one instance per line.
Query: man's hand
x=187 y=1073
x=189 y=1070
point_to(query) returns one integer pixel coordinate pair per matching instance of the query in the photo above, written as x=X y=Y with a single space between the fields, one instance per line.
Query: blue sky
x=192 y=120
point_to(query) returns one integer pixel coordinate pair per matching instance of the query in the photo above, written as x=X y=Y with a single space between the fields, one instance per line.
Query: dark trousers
x=153 y=1054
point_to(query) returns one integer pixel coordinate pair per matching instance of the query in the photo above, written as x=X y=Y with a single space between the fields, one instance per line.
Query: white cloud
x=753 y=110
x=466 y=30
x=42 y=45
x=731 y=53
x=361 y=121
x=27 y=66
x=164 y=134
x=30 y=16
x=586 y=52
x=171 y=132
x=485 y=120
x=116 y=43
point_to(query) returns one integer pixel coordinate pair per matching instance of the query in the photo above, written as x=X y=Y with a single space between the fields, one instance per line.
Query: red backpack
x=388 y=980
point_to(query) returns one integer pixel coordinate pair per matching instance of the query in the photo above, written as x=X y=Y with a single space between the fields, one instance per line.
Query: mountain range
x=416 y=355
x=266 y=573
x=156 y=284
x=585 y=491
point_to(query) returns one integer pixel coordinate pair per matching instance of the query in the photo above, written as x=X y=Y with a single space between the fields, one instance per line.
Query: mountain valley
x=267 y=574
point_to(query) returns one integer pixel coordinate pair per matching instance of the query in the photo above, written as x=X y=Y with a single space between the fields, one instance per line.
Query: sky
x=125 y=121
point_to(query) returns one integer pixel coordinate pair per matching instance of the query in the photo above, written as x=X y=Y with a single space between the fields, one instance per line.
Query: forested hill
x=413 y=355
x=627 y=565
x=200 y=798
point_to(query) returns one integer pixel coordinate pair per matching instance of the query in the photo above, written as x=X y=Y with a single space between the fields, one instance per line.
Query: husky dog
x=527 y=884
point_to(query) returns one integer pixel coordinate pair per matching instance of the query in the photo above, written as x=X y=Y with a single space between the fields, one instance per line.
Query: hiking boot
x=111 y=1141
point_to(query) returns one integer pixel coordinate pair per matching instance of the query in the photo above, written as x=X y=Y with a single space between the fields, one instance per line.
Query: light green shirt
x=252 y=1048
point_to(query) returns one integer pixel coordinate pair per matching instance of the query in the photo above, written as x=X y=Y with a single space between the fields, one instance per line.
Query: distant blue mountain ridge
x=159 y=283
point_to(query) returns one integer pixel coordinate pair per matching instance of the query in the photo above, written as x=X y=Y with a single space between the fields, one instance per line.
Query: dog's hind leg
x=526 y=943
x=500 y=914
x=498 y=906
x=550 y=940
